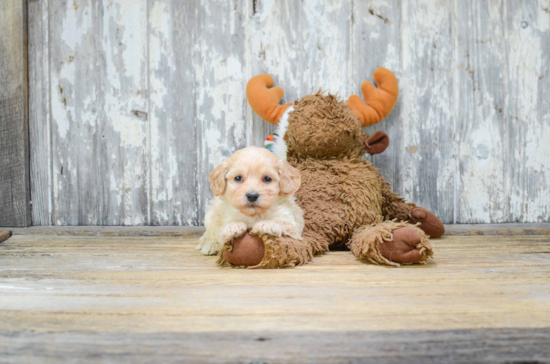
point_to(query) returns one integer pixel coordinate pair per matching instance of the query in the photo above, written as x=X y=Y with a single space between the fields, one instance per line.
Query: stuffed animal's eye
x=267 y=179
x=238 y=179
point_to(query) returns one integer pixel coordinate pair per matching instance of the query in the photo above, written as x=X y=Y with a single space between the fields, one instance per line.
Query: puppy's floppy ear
x=217 y=179
x=290 y=179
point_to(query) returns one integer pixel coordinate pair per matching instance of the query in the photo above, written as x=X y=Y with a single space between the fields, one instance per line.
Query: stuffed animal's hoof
x=429 y=223
x=402 y=249
x=247 y=250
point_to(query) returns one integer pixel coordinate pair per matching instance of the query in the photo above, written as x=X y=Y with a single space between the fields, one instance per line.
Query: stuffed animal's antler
x=265 y=100
x=379 y=102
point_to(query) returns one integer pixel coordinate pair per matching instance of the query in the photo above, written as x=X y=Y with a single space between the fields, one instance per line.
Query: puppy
x=253 y=190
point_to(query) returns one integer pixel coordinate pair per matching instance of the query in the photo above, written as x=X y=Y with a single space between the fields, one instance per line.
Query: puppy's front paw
x=232 y=230
x=270 y=228
x=210 y=247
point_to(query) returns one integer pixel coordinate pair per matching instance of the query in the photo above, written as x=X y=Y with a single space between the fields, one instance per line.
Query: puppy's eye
x=238 y=179
x=267 y=179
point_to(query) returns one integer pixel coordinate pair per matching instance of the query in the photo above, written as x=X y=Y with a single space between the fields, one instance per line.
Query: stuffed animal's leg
x=318 y=242
x=265 y=251
x=430 y=223
x=406 y=211
x=395 y=207
x=391 y=243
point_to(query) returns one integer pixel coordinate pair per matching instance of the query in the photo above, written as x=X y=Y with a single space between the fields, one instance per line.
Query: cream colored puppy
x=253 y=190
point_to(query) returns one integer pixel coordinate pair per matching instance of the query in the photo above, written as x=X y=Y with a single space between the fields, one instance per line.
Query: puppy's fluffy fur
x=231 y=214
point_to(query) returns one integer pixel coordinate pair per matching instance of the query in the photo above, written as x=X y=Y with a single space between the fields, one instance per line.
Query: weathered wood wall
x=133 y=102
x=14 y=133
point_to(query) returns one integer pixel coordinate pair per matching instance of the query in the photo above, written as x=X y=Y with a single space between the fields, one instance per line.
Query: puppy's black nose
x=252 y=196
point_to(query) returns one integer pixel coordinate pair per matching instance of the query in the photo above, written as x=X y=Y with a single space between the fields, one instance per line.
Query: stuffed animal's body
x=346 y=201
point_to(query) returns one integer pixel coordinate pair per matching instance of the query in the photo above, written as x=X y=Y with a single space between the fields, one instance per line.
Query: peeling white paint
x=130 y=130
x=148 y=96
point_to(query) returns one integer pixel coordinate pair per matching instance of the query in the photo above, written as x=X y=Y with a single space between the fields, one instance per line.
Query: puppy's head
x=252 y=179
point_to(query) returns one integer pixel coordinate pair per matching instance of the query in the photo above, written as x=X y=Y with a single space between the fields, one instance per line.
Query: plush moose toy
x=346 y=201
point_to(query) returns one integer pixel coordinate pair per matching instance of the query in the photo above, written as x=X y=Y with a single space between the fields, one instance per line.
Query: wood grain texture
x=480 y=297
x=14 y=132
x=162 y=284
x=483 y=187
x=197 y=231
x=153 y=99
x=413 y=346
x=98 y=93
x=426 y=153
x=220 y=93
x=116 y=231
x=76 y=113
x=173 y=198
x=377 y=43
x=527 y=31
x=39 y=113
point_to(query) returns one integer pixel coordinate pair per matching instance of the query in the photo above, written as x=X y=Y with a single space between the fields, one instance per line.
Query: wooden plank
x=498 y=229
x=527 y=32
x=377 y=43
x=220 y=92
x=99 y=104
x=420 y=160
x=173 y=31
x=303 y=45
x=160 y=297
x=123 y=35
x=191 y=231
x=76 y=113
x=412 y=346
x=14 y=139
x=197 y=231
x=39 y=112
x=162 y=284
x=482 y=189
x=426 y=152
x=139 y=116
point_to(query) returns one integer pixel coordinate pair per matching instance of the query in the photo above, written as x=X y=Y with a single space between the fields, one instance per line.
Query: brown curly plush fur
x=366 y=241
x=346 y=201
x=323 y=126
x=394 y=206
x=280 y=252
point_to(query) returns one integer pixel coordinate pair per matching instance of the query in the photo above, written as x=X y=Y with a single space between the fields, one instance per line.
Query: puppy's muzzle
x=252 y=196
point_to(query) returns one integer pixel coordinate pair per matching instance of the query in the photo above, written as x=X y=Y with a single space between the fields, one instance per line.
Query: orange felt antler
x=265 y=100
x=379 y=102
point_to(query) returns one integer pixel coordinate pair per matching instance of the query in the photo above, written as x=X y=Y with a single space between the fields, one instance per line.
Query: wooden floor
x=155 y=299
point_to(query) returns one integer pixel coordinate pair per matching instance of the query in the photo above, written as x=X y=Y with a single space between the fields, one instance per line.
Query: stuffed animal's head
x=321 y=125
